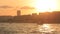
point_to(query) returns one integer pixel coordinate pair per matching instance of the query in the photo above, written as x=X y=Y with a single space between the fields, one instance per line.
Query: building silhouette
x=33 y=14
x=18 y=12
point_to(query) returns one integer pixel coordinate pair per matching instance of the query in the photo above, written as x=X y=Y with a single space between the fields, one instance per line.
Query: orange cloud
x=5 y=6
x=27 y=7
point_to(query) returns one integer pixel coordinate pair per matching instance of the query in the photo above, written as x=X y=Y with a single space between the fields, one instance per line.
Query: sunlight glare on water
x=46 y=28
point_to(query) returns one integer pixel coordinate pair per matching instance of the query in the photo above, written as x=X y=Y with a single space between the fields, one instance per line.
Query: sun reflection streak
x=45 y=28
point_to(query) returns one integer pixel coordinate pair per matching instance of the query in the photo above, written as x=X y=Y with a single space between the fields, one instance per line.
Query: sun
x=45 y=5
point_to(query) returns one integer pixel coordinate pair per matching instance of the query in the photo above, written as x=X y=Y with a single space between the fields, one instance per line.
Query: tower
x=18 y=12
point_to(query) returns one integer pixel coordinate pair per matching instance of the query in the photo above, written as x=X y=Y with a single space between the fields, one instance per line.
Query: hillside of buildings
x=47 y=17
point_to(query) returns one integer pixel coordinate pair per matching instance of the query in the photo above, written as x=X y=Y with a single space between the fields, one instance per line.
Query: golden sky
x=17 y=4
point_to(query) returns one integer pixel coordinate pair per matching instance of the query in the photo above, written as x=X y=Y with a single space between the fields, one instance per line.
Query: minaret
x=18 y=13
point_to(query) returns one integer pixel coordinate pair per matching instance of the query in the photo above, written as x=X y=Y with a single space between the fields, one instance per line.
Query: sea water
x=28 y=28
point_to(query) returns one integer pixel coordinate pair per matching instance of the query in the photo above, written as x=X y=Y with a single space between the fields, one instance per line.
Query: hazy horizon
x=9 y=7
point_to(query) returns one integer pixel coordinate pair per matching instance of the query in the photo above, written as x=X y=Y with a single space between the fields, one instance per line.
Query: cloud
x=27 y=7
x=5 y=7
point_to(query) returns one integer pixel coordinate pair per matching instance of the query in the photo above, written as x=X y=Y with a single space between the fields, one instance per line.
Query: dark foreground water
x=29 y=28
